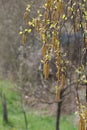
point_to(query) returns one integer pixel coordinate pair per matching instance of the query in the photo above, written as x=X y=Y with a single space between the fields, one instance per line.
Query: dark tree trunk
x=58 y=115
x=24 y=113
x=25 y=117
x=5 y=112
x=86 y=72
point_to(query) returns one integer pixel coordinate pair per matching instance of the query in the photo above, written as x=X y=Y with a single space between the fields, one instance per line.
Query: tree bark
x=5 y=112
x=25 y=117
x=58 y=115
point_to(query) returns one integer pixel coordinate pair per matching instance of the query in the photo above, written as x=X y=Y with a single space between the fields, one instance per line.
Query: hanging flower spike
x=49 y=4
x=58 y=74
x=63 y=80
x=57 y=93
x=86 y=42
x=37 y=24
x=23 y=38
x=44 y=49
x=82 y=124
x=46 y=69
x=26 y=17
x=60 y=8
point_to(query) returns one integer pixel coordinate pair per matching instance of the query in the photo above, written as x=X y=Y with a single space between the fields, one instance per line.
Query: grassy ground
x=36 y=121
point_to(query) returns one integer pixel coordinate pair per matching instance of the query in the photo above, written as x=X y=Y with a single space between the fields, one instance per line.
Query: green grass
x=67 y=123
x=36 y=121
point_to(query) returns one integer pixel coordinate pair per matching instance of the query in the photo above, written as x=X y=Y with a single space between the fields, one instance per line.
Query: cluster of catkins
x=48 y=27
x=82 y=112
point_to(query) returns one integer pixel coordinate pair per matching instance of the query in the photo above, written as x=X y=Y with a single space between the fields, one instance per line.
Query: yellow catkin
x=76 y=25
x=54 y=16
x=46 y=69
x=63 y=81
x=57 y=93
x=37 y=24
x=46 y=15
x=53 y=42
x=23 y=38
x=55 y=33
x=69 y=12
x=86 y=114
x=44 y=50
x=58 y=74
x=60 y=7
x=43 y=37
x=49 y=4
x=86 y=42
x=58 y=56
x=26 y=17
x=81 y=124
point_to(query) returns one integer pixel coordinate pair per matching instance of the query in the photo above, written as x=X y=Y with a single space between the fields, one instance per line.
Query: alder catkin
x=60 y=7
x=26 y=17
x=81 y=124
x=44 y=50
x=46 y=69
x=63 y=81
x=75 y=25
x=46 y=15
x=86 y=42
x=58 y=53
x=57 y=93
x=49 y=4
x=37 y=24
x=58 y=62
x=58 y=74
x=58 y=58
x=23 y=38
x=53 y=42
x=54 y=16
